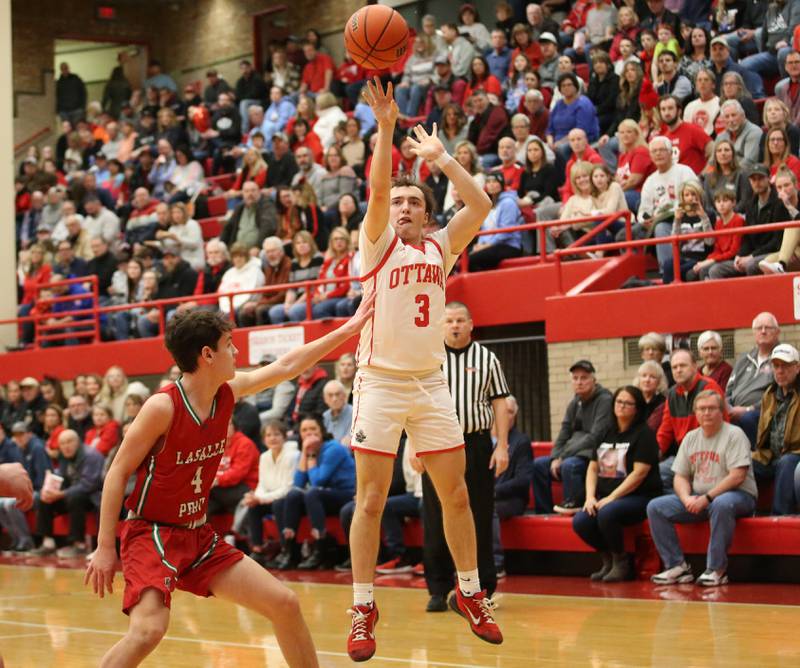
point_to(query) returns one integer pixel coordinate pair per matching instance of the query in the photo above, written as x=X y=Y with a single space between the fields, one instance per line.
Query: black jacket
x=281 y=172
x=180 y=283
x=103 y=267
x=515 y=481
x=80 y=426
x=251 y=88
x=584 y=425
x=266 y=219
x=228 y=123
x=763 y=243
x=604 y=94
x=70 y=93
x=211 y=281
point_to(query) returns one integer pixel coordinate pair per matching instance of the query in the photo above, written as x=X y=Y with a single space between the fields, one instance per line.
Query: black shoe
x=345 y=567
x=314 y=560
x=260 y=558
x=286 y=559
x=436 y=603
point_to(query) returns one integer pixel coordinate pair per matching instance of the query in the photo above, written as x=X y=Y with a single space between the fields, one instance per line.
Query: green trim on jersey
x=188 y=406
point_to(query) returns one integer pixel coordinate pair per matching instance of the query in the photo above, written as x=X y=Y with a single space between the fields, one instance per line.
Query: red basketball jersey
x=173 y=484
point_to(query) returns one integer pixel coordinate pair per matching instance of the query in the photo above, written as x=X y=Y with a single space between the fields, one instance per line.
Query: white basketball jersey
x=406 y=333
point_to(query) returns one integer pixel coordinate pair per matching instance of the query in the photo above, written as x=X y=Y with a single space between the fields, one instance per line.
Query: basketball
x=376 y=36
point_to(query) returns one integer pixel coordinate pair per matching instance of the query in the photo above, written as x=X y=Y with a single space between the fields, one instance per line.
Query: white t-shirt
x=405 y=335
x=660 y=191
x=702 y=114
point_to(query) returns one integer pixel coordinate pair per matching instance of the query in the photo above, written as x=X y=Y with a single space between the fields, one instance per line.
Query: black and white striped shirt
x=475 y=378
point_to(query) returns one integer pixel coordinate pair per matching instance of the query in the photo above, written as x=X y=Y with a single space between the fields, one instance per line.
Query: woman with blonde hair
x=777 y=115
x=417 y=76
x=468 y=158
x=325 y=298
x=105 y=434
x=306 y=264
x=652 y=381
x=580 y=205
x=253 y=169
x=113 y=391
x=690 y=218
x=345 y=372
x=777 y=154
x=187 y=234
x=329 y=115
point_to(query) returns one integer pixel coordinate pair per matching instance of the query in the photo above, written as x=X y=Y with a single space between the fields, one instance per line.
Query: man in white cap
x=548 y=69
x=777 y=453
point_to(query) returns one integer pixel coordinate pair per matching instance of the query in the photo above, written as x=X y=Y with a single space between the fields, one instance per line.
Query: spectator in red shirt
x=237 y=473
x=489 y=123
x=634 y=164
x=482 y=79
x=303 y=135
x=725 y=248
x=318 y=71
x=581 y=152
x=104 y=436
x=508 y=167
x=521 y=42
x=691 y=146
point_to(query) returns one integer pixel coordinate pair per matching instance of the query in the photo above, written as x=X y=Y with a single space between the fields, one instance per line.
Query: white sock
x=468 y=582
x=362 y=593
x=49 y=542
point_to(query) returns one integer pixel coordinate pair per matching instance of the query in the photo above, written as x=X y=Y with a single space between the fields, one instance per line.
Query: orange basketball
x=376 y=36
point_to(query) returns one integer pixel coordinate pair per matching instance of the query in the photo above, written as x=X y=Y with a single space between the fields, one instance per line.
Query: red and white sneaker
x=477 y=610
x=361 y=641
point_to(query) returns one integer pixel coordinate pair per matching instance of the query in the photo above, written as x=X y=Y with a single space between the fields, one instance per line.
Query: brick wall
x=607 y=355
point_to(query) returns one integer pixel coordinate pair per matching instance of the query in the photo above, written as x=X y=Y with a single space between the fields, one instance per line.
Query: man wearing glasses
x=713 y=481
x=752 y=375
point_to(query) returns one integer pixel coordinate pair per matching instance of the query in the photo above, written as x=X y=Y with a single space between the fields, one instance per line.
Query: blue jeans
x=749 y=424
x=768 y=65
x=666 y=511
x=633 y=198
x=12 y=519
x=503 y=509
x=573 y=475
x=666 y=473
x=316 y=502
x=668 y=270
x=347 y=307
x=739 y=48
x=121 y=325
x=610 y=154
x=324 y=309
x=786 y=473
x=409 y=98
x=28 y=330
x=603 y=531
x=663 y=251
x=395 y=511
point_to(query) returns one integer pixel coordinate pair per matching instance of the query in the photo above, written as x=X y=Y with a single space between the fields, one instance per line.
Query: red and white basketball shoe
x=361 y=641
x=477 y=610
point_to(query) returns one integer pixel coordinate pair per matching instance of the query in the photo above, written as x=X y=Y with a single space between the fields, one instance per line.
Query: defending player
x=400 y=384
x=174 y=446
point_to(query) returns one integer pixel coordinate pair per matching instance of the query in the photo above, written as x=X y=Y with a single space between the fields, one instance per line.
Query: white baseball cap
x=786 y=353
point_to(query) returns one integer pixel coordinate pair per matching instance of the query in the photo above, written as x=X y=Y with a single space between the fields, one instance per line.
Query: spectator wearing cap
x=745 y=135
x=281 y=165
x=586 y=420
x=722 y=63
x=777 y=452
x=764 y=207
x=216 y=85
x=277 y=115
x=443 y=76
x=472 y=27
x=442 y=99
x=491 y=249
x=78 y=492
x=679 y=418
x=713 y=481
x=709 y=347
x=35 y=403
x=489 y=123
x=573 y=110
x=498 y=57
x=28 y=450
x=548 y=69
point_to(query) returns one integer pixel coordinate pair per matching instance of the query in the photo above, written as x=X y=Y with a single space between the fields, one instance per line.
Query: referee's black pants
x=439 y=568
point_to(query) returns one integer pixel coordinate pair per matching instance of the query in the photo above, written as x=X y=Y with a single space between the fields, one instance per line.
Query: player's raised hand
x=426 y=146
x=100 y=571
x=382 y=102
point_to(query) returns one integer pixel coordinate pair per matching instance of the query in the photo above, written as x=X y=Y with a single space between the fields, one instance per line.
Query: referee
x=478 y=388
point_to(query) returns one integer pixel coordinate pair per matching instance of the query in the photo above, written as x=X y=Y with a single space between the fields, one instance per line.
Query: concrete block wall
x=607 y=355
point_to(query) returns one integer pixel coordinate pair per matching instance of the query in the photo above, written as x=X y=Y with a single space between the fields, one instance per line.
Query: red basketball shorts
x=166 y=557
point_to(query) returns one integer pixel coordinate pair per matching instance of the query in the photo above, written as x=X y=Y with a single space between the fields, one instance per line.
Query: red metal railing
x=540 y=228
x=674 y=240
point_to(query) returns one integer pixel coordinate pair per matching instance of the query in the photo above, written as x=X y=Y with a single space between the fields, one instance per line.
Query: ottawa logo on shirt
x=419 y=272
x=360 y=436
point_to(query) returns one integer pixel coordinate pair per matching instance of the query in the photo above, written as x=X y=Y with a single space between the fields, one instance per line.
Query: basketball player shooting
x=174 y=447
x=400 y=384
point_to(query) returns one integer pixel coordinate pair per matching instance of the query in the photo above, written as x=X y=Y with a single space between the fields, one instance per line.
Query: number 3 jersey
x=405 y=335
x=174 y=481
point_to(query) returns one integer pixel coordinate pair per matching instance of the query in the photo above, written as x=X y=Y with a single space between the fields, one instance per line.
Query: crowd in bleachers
x=685 y=113
x=690 y=439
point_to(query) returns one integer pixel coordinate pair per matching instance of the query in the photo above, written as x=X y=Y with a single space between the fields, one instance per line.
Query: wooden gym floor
x=47 y=618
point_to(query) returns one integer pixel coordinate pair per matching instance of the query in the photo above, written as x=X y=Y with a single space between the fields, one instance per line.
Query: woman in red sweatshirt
x=104 y=436
x=237 y=473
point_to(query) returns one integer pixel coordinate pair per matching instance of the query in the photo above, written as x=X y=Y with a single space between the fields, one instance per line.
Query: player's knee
x=283 y=605
x=147 y=633
x=456 y=499
x=371 y=503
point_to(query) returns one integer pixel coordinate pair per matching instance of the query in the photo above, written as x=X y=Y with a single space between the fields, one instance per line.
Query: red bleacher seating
x=211 y=227
x=217 y=206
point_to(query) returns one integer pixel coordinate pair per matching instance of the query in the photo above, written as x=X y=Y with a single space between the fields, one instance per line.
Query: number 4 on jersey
x=424 y=304
x=197 y=480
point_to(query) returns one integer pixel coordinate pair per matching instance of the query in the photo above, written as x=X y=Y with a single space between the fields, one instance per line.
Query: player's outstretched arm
x=463 y=226
x=296 y=361
x=148 y=426
x=380 y=176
